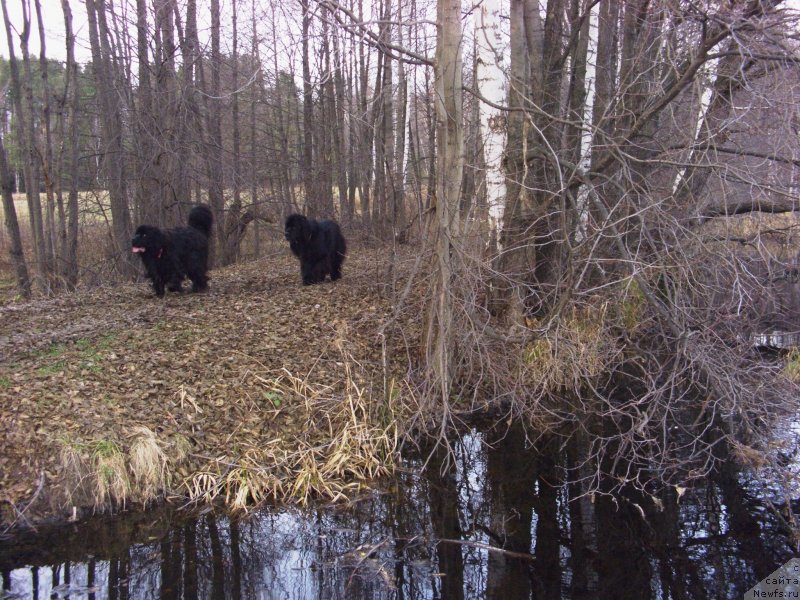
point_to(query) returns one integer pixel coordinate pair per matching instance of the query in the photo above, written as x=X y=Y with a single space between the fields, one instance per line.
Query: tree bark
x=212 y=98
x=46 y=155
x=439 y=338
x=517 y=257
x=492 y=132
x=340 y=131
x=254 y=200
x=190 y=126
x=15 y=250
x=398 y=216
x=234 y=225
x=145 y=206
x=308 y=112
x=73 y=144
x=21 y=90
x=111 y=121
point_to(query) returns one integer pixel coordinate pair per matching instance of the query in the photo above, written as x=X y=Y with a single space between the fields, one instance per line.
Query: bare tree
x=213 y=125
x=236 y=221
x=254 y=96
x=308 y=112
x=445 y=225
x=46 y=153
x=72 y=101
x=111 y=119
x=12 y=226
x=24 y=106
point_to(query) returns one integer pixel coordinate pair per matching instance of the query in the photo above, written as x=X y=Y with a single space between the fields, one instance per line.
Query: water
x=433 y=534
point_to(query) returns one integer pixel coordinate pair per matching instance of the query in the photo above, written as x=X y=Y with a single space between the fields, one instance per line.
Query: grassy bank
x=259 y=389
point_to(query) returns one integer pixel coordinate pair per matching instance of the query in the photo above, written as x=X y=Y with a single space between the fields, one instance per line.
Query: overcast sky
x=54 y=27
x=53 y=18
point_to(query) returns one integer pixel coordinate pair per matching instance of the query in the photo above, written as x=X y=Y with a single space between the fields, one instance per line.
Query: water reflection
x=499 y=523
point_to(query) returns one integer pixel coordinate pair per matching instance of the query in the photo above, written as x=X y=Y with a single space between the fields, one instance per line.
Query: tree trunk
x=234 y=226
x=308 y=113
x=190 y=126
x=489 y=82
x=325 y=125
x=26 y=139
x=517 y=258
x=398 y=207
x=46 y=156
x=604 y=80
x=439 y=338
x=340 y=137
x=549 y=233
x=12 y=225
x=386 y=165
x=603 y=105
x=254 y=200
x=574 y=129
x=112 y=134
x=145 y=209
x=378 y=135
x=216 y=196
x=73 y=144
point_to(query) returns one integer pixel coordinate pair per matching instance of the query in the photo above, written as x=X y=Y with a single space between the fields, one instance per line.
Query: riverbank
x=260 y=388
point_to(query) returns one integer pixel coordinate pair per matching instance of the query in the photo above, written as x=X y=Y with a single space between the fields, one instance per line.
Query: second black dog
x=171 y=255
x=319 y=245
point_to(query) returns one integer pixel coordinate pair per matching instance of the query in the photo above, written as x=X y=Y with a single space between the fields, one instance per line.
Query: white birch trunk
x=491 y=84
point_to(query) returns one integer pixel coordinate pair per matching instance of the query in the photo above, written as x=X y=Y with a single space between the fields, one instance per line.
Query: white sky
x=53 y=18
x=54 y=26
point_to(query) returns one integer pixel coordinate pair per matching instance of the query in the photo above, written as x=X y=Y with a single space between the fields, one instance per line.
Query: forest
x=578 y=215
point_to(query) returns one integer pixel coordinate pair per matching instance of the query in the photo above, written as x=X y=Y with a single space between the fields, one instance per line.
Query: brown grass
x=341 y=442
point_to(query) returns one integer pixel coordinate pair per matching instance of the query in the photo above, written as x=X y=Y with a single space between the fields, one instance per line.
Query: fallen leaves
x=223 y=380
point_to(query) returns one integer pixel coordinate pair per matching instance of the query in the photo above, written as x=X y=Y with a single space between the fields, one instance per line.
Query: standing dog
x=319 y=245
x=170 y=255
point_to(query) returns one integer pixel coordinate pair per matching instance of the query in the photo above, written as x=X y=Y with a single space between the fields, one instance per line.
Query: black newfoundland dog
x=173 y=254
x=319 y=245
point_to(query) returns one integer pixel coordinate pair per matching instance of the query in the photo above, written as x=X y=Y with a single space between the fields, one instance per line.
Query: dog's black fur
x=173 y=254
x=319 y=245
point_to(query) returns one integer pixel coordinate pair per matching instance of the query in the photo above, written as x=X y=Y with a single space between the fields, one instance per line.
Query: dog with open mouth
x=171 y=255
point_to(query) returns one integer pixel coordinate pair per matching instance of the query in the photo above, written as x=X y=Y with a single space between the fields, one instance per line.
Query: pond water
x=435 y=533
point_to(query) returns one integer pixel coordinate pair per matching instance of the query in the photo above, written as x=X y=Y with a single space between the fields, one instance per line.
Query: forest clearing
x=260 y=388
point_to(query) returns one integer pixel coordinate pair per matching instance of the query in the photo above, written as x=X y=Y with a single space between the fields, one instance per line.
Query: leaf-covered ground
x=215 y=378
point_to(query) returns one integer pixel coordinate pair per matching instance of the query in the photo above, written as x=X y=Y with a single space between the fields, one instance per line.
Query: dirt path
x=99 y=365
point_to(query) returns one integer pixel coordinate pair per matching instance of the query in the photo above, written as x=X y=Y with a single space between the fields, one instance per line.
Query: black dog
x=319 y=245
x=172 y=254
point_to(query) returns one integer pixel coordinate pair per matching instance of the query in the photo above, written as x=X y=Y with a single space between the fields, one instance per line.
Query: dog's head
x=297 y=231
x=148 y=240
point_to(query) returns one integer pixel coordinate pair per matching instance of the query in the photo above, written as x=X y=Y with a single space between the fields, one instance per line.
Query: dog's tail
x=200 y=218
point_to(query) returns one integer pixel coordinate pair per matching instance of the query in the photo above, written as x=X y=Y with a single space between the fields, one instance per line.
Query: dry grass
x=103 y=472
x=574 y=350
x=342 y=440
x=95 y=470
x=791 y=368
x=112 y=483
x=148 y=464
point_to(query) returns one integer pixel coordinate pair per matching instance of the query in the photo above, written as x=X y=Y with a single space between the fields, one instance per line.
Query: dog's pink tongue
x=137 y=250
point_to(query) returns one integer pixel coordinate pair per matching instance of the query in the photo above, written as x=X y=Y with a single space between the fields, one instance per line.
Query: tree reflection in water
x=499 y=520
